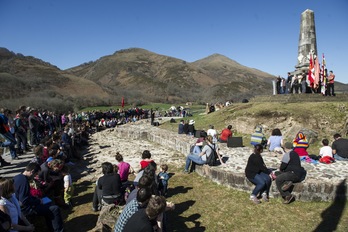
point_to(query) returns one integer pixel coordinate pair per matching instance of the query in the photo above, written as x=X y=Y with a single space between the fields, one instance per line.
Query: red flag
x=122 y=103
x=311 y=70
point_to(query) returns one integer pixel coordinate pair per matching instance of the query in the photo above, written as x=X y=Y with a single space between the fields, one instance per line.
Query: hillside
x=138 y=75
x=167 y=79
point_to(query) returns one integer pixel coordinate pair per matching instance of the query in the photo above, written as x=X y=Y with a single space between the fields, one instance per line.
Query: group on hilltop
x=303 y=83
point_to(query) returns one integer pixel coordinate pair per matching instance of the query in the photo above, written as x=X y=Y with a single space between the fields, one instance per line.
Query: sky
x=258 y=34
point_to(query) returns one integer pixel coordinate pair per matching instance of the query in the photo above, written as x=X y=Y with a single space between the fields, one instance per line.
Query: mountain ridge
x=138 y=75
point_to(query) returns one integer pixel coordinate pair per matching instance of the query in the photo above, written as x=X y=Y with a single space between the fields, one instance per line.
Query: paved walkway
x=17 y=166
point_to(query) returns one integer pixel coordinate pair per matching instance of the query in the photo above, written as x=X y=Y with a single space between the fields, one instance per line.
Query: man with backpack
x=209 y=155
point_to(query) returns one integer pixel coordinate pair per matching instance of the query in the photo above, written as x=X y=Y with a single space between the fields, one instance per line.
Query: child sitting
x=326 y=150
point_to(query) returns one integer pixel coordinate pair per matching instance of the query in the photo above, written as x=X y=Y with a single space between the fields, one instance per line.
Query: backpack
x=211 y=160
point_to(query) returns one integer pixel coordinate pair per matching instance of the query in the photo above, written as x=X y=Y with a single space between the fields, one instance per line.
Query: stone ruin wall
x=308 y=190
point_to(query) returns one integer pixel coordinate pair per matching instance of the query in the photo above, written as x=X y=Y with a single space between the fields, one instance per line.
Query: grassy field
x=202 y=205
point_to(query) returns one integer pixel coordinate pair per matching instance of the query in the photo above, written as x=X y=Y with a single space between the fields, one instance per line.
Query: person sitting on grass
x=258 y=174
x=290 y=171
x=258 y=137
x=275 y=142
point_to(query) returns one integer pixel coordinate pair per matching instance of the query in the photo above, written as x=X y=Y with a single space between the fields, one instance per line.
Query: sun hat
x=192 y=122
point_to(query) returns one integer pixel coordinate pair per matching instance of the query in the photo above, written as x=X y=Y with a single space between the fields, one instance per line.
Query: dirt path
x=103 y=147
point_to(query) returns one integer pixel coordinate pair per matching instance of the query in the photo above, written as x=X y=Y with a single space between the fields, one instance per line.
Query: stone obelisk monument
x=307 y=42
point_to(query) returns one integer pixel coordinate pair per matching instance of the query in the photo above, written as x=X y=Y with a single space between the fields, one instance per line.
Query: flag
x=316 y=73
x=122 y=102
x=323 y=76
x=311 y=71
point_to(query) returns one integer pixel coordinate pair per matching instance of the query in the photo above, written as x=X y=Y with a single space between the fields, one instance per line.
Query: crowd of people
x=143 y=199
x=300 y=83
x=46 y=183
x=290 y=170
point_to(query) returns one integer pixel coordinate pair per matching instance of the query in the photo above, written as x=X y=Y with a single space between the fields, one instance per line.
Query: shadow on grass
x=332 y=215
x=176 y=222
x=88 y=221
x=177 y=190
x=84 y=199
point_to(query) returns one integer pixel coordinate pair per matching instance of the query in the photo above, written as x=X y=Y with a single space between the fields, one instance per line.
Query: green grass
x=202 y=205
x=206 y=206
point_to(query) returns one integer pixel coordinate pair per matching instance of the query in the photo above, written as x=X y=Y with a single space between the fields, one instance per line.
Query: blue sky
x=258 y=34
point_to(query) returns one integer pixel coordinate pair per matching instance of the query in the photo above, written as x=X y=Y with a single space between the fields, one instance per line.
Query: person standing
x=288 y=83
x=34 y=123
x=331 y=85
x=290 y=171
x=163 y=176
x=304 y=83
x=68 y=186
x=5 y=132
x=258 y=174
x=152 y=116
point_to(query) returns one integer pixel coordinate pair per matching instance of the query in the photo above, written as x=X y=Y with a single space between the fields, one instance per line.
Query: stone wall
x=321 y=183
